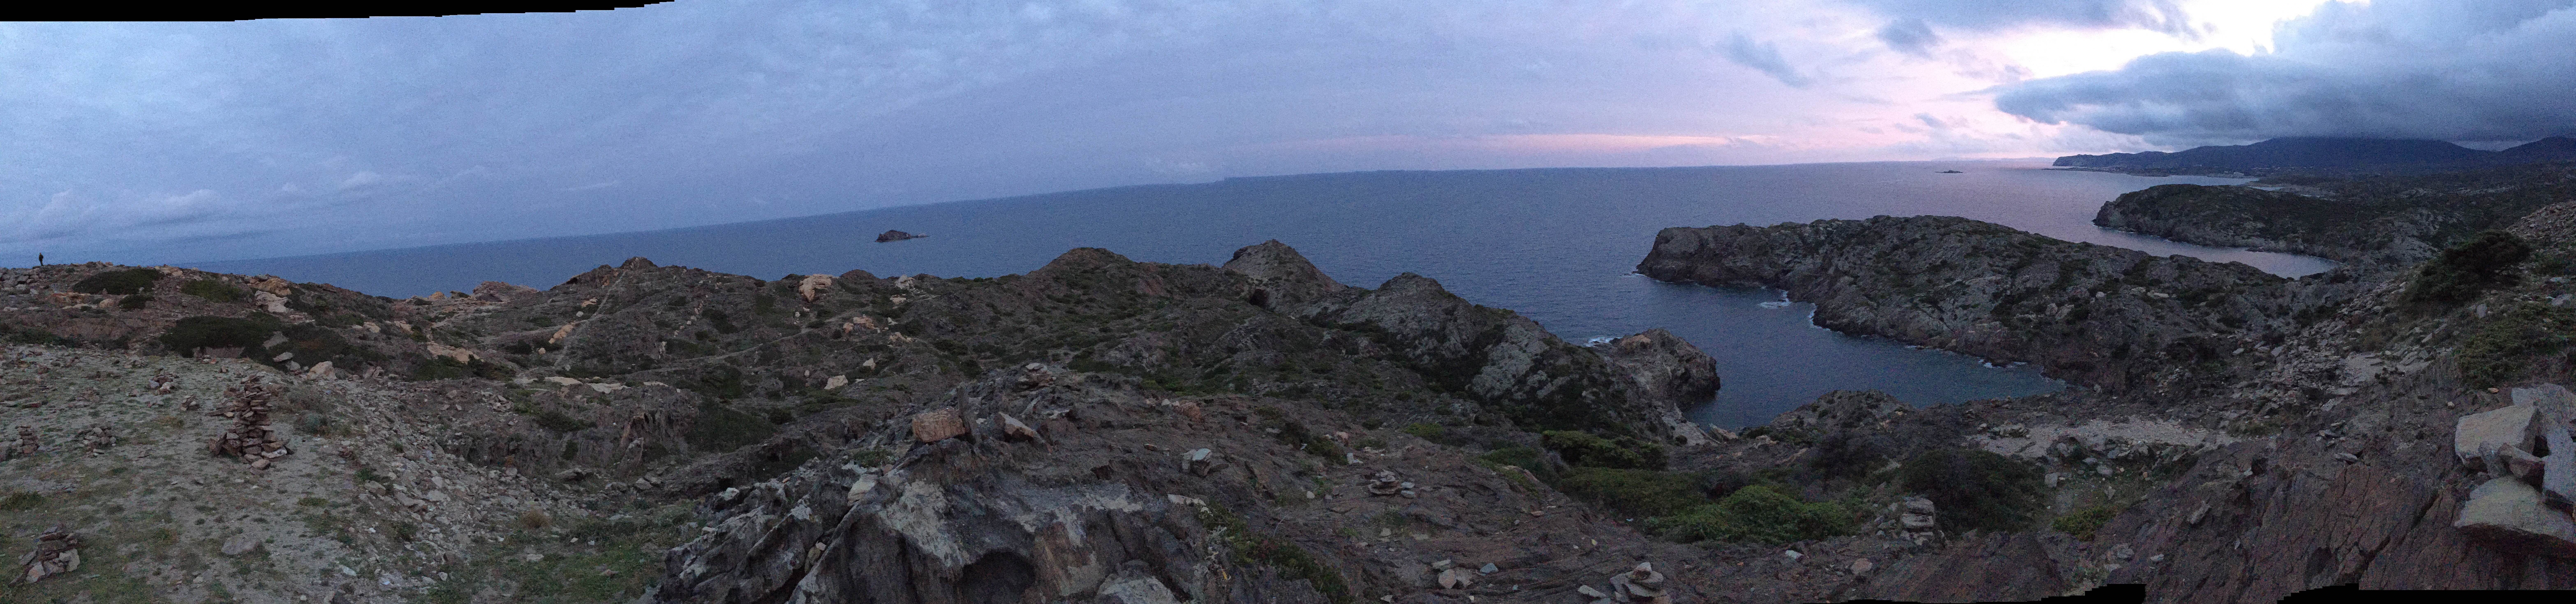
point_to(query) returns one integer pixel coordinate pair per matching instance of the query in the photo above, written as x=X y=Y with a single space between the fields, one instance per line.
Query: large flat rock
x=2481 y=436
x=2507 y=513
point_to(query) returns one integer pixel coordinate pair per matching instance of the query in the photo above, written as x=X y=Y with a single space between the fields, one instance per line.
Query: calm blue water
x=1557 y=245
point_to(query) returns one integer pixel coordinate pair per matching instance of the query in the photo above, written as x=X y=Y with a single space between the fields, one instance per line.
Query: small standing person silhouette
x=40 y=259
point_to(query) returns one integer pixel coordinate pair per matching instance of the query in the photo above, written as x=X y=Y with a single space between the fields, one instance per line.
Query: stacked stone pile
x=1386 y=483
x=2527 y=452
x=25 y=446
x=1641 y=585
x=1914 y=517
x=57 y=552
x=97 y=437
x=251 y=438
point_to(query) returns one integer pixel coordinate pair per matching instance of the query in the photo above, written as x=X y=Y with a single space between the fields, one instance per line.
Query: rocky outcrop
x=896 y=236
x=1282 y=279
x=2095 y=315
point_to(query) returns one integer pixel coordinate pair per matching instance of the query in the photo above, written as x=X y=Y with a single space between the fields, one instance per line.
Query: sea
x=1558 y=245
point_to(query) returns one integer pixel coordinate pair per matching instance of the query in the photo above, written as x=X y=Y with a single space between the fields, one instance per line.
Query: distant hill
x=2325 y=152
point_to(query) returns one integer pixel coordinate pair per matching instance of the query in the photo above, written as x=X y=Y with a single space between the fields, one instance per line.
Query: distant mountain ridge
x=2329 y=152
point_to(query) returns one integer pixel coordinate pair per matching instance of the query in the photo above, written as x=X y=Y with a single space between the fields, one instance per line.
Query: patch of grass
x=2085 y=522
x=122 y=282
x=535 y=520
x=1758 y=514
x=1523 y=457
x=2496 y=353
x=21 y=501
x=1586 y=449
x=313 y=502
x=1632 y=491
x=1975 y=489
x=1426 y=430
x=213 y=290
x=1248 y=547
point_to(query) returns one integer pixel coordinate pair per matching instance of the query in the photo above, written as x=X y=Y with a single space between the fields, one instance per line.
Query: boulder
x=2554 y=403
x=2479 y=437
x=813 y=286
x=241 y=544
x=1198 y=461
x=2509 y=514
x=2558 y=470
x=938 y=425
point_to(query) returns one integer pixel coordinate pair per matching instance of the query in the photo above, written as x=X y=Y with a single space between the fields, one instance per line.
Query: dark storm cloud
x=2159 y=15
x=2439 y=69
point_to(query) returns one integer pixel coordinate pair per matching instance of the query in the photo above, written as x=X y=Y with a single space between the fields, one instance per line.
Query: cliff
x=2100 y=316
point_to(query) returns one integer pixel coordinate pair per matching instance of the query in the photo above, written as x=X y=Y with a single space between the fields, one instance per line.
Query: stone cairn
x=1916 y=520
x=165 y=382
x=1385 y=483
x=97 y=437
x=2526 y=451
x=1641 y=585
x=26 y=443
x=251 y=438
x=57 y=552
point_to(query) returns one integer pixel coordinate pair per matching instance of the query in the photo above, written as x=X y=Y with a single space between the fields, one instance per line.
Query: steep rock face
x=1666 y=368
x=1499 y=356
x=2096 y=315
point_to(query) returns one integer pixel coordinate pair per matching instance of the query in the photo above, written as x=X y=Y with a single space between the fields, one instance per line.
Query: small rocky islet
x=1104 y=430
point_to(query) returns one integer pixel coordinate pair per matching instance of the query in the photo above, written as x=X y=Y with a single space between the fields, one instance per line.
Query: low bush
x=1586 y=449
x=134 y=302
x=192 y=333
x=1844 y=454
x=1758 y=514
x=556 y=421
x=719 y=428
x=2085 y=522
x=1975 y=489
x=1636 y=492
x=2463 y=271
x=124 y=282
x=1426 y=430
x=1523 y=457
x=213 y=290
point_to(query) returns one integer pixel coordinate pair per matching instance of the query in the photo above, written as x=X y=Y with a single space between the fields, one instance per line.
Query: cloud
x=1764 y=56
x=2158 y=15
x=2438 y=69
x=1910 y=35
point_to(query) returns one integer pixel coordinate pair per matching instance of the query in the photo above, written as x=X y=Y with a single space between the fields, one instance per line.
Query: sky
x=145 y=143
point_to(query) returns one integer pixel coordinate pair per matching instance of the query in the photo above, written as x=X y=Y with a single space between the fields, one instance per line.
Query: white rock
x=2507 y=512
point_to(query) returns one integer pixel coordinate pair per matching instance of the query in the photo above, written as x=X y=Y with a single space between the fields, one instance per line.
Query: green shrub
x=1586 y=449
x=134 y=302
x=1248 y=547
x=30 y=334
x=1523 y=457
x=1636 y=492
x=2462 y=272
x=1843 y=454
x=1758 y=514
x=1426 y=430
x=192 y=333
x=2085 y=522
x=21 y=501
x=213 y=290
x=720 y=428
x=1975 y=489
x=124 y=282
